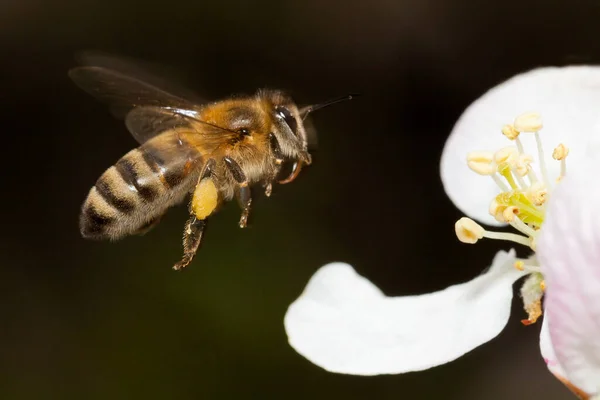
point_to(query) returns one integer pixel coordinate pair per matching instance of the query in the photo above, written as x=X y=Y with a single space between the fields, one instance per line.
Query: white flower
x=569 y=250
x=344 y=324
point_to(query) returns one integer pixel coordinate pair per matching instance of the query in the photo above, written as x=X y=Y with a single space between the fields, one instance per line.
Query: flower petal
x=569 y=252
x=566 y=98
x=344 y=324
x=547 y=350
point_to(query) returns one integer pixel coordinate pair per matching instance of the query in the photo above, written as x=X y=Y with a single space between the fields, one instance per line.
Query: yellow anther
x=496 y=210
x=560 y=152
x=543 y=285
x=538 y=194
x=510 y=132
x=520 y=265
x=481 y=162
x=508 y=155
x=528 y=122
x=509 y=213
x=468 y=231
x=523 y=165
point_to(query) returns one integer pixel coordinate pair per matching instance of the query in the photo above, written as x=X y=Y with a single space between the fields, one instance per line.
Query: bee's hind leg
x=192 y=237
x=204 y=201
x=243 y=192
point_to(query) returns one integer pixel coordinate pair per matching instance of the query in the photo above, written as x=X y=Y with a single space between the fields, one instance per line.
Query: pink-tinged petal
x=345 y=324
x=569 y=252
x=567 y=99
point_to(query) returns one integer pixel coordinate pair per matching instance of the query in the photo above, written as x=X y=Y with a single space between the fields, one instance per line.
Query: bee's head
x=289 y=127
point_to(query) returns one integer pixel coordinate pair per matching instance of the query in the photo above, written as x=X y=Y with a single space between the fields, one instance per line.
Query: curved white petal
x=344 y=324
x=547 y=350
x=569 y=252
x=567 y=98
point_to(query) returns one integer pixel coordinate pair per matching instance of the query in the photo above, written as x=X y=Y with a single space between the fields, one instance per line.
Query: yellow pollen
x=560 y=152
x=510 y=132
x=508 y=155
x=523 y=165
x=520 y=265
x=534 y=311
x=496 y=210
x=481 y=162
x=509 y=213
x=538 y=194
x=543 y=285
x=468 y=231
x=528 y=212
x=528 y=122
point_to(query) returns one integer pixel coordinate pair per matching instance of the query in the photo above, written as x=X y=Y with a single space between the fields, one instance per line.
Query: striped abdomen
x=140 y=187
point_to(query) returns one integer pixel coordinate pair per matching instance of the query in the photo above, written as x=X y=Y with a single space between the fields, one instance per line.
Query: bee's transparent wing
x=148 y=121
x=123 y=92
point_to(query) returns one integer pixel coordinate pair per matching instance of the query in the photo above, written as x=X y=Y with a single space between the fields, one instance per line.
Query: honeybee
x=215 y=152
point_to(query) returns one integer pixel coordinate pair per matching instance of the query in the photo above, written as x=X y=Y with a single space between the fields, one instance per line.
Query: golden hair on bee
x=213 y=152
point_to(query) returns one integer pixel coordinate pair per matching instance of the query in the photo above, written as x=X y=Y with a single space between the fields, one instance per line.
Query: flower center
x=521 y=202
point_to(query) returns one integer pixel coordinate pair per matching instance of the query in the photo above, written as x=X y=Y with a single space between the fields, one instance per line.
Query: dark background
x=98 y=320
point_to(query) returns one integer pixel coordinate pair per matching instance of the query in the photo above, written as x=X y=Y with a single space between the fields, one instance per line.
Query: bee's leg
x=244 y=198
x=243 y=193
x=276 y=149
x=268 y=189
x=192 y=236
x=204 y=201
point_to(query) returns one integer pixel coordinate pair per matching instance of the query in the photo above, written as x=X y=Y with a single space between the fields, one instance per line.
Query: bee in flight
x=214 y=151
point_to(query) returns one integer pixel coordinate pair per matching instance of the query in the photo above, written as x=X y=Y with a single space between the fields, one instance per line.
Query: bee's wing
x=146 y=122
x=123 y=92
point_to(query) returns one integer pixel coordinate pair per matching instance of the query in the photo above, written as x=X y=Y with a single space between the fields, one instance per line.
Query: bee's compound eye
x=244 y=131
x=287 y=116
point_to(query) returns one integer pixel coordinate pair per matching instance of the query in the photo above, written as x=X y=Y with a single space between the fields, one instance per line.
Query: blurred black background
x=98 y=320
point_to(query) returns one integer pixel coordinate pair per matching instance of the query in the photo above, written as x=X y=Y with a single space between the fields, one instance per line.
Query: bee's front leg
x=278 y=155
x=243 y=192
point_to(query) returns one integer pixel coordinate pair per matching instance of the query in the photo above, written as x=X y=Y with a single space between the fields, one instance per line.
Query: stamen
x=521 y=266
x=481 y=162
x=560 y=153
x=519 y=145
x=533 y=179
x=520 y=180
x=510 y=216
x=508 y=157
x=469 y=231
x=523 y=165
x=500 y=184
x=511 y=237
x=528 y=122
x=538 y=194
x=505 y=170
x=497 y=211
x=530 y=214
x=541 y=159
x=510 y=132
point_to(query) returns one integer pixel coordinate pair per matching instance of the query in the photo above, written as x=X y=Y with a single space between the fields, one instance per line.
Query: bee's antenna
x=308 y=109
